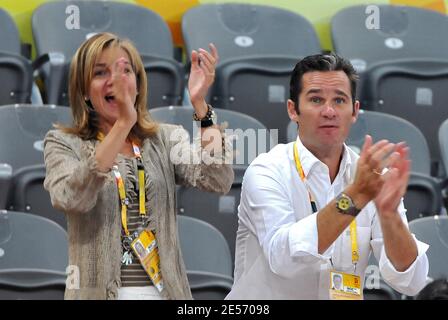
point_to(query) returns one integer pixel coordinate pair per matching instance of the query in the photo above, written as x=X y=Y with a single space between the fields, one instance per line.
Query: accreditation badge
x=145 y=248
x=345 y=286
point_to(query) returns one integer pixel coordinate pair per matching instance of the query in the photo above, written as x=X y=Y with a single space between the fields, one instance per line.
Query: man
x=313 y=208
x=337 y=281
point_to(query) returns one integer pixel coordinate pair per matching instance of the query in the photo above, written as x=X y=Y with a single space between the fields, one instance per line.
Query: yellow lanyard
x=353 y=233
x=354 y=241
x=121 y=189
x=303 y=177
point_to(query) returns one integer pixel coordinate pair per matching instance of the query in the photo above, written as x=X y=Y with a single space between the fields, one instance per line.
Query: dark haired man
x=313 y=208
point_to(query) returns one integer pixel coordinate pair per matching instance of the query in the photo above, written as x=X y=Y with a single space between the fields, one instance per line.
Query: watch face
x=344 y=203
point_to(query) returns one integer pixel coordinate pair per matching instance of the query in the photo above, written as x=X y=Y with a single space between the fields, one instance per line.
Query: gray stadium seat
x=242 y=30
x=434 y=231
x=22 y=130
x=207 y=258
x=423 y=196
x=34 y=257
x=443 y=143
x=258 y=48
x=56 y=44
x=385 y=126
x=5 y=183
x=222 y=210
x=9 y=34
x=203 y=246
x=385 y=292
x=414 y=90
x=27 y=194
x=401 y=32
x=16 y=74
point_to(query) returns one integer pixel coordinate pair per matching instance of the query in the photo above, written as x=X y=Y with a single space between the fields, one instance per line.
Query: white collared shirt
x=276 y=247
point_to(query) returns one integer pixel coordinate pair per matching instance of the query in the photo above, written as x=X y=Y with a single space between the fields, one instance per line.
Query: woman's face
x=102 y=91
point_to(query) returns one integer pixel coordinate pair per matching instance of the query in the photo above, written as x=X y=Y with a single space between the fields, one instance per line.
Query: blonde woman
x=114 y=172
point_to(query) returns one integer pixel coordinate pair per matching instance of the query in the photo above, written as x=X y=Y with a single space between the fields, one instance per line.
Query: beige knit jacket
x=90 y=201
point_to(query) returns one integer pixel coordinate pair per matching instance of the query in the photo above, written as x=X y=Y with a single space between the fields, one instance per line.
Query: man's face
x=337 y=282
x=326 y=109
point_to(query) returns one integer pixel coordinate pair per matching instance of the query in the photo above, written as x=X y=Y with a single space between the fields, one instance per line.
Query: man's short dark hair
x=320 y=62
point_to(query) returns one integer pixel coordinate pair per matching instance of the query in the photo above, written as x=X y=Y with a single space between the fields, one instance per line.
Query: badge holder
x=145 y=248
x=345 y=286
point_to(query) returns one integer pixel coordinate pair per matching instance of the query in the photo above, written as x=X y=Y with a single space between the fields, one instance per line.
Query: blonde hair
x=85 y=121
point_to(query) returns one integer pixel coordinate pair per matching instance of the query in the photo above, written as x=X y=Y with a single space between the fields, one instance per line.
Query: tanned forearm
x=399 y=244
x=331 y=223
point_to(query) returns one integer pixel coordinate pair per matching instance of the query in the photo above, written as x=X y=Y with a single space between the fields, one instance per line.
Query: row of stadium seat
x=34 y=257
x=403 y=61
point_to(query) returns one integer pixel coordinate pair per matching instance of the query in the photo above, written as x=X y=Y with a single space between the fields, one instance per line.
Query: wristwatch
x=345 y=205
x=209 y=119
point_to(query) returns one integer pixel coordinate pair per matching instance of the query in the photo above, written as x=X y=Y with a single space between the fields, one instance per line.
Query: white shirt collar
x=309 y=160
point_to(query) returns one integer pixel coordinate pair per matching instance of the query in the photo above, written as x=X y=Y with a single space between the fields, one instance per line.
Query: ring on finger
x=378 y=172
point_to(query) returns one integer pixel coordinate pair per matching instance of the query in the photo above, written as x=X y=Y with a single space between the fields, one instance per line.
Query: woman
x=114 y=173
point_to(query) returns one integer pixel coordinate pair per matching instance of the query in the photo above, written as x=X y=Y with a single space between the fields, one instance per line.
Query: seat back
x=33 y=257
x=16 y=75
x=203 y=247
x=367 y=34
x=144 y=27
x=29 y=241
x=22 y=130
x=423 y=196
x=241 y=30
x=258 y=87
x=395 y=129
x=28 y=194
x=222 y=210
x=414 y=90
x=434 y=231
x=258 y=48
x=9 y=34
